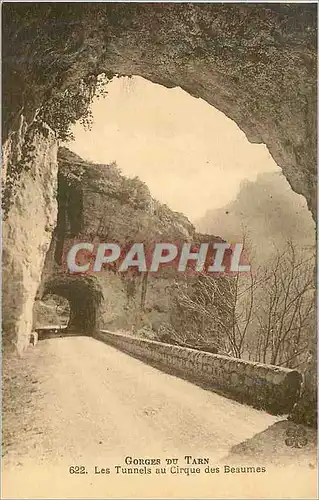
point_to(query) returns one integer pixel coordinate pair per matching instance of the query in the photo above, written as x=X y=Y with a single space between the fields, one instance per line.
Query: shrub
x=62 y=111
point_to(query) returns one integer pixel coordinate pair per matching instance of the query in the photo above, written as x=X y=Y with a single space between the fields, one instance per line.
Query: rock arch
x=84 y=295
x=254 y=62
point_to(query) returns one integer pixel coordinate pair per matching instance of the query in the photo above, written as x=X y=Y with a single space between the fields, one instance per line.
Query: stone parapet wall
x=272 y=388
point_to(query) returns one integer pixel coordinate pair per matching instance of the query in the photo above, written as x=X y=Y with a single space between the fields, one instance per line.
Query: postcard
x=159 y=218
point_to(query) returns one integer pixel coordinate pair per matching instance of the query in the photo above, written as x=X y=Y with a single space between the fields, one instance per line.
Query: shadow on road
x=283 y=443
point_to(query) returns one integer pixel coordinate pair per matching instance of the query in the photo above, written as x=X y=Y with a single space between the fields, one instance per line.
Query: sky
x=190 y=155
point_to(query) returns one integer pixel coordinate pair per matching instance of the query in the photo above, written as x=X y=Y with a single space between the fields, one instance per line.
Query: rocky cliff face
x=28 y=225
x=97 y=203
x=96 y=200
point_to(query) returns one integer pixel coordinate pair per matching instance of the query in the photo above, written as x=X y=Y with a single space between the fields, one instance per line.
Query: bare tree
x=285 y=312
x=214 y=311
x=266 y=315
x=202 y=312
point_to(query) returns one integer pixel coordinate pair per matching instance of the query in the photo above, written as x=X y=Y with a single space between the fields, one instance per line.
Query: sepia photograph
x=159 y=253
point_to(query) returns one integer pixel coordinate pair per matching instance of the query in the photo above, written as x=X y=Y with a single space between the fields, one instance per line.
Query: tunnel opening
x=84 y=295
x=51 y=310
x=234 y=210
x=279 y=196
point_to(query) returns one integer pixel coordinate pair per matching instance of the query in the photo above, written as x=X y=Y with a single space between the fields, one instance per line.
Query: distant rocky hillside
x=268 y=211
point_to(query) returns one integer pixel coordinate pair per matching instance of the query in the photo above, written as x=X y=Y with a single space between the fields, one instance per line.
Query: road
x=94 y=405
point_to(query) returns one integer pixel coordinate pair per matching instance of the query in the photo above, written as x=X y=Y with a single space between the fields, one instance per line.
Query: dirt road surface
x=92 y=406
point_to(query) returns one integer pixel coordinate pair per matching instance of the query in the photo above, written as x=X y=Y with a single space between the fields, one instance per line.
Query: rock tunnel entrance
x=53 y=310
x=84 y=295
